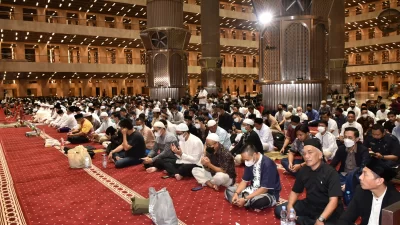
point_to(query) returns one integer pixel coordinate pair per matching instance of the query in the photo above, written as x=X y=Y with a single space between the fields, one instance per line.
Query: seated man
x=322 y=204
x=383 y=145
x=223 y=134
x=62 y=117
x=100 y=134
x=161 y=151
x=148 y=135
x=218 y=165
x=396 y=129
x=374 y=194
x=189 y=153
x=290 y=135
x=262 y=175
x=265 y=134
x=81 y=134
x=70 y=123
x=249 y=137
x=352 y=155
x=328 y=140
x=131 y=150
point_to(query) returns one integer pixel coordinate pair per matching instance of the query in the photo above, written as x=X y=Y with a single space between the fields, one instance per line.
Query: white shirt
x=104 y=125
x=371 y=114
x=328 y=142
x=356 y=125
x=303 y=117
x=70 y=122
x=256 y=112
x=62 y=120
x=192 y=150
x=96 y=117
x=266 y=138
x=376 y=209
x=356 y=111
x=381 y=115
x=203 y=93
x=332 y=125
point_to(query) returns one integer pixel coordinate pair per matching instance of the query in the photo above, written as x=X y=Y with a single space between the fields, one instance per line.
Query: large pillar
x=210 y=38
x=337 y=65
x=165 y=41
x=294 y=50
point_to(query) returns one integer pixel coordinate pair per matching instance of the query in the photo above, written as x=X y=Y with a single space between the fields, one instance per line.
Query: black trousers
x=308 y=214
x=78 y=139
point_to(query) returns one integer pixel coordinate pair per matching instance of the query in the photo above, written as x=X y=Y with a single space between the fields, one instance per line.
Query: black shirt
x=389 y=125
x=250 y=138
x=388 y=145
x=320 y=185
x=225 y=121
x=138 y=149
x=361 y=156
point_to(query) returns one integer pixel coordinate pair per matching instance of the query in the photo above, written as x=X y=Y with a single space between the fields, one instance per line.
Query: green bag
x=140 y=205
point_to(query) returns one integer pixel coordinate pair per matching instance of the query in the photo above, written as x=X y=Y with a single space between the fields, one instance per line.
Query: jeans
x=285 y=164
x=260 y=202
x=125 y=161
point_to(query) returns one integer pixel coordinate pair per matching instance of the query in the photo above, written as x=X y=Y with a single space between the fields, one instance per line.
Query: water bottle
x=104 y=161
x=292 y=217
x=62 y=144
x=347 y=198
x=284 y=216
x=87 y=162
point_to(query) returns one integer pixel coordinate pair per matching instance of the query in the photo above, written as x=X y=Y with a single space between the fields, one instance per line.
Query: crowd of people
x=335 y=150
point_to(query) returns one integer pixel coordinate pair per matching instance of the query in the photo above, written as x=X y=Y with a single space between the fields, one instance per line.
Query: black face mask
x=210 y=150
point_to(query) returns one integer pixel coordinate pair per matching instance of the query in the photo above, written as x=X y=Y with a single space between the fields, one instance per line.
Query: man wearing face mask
x=288 y=120
x=303 y=116
x=218 y=165
x=147 y=134
x=290 y=135
x=224 y=137
x=115 y=118
x=328 y=140
x=279 y=116
x=99 y=134
x=366 y=122
x=396 y=129
x=192 y=128
x=312 y=115
x=156 y=116
x=161 y=152
x=384 y=146
x=201 y=127
x=249 y=137
x=354 y=108
x=264 y=182
x=351 y=117
x=170 y=127
x=189 y=153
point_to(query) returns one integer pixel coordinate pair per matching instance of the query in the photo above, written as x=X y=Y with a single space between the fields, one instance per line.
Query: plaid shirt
x=224 y=160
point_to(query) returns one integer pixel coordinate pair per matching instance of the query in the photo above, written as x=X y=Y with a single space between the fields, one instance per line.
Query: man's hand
x=241 y=202
x=205 y=161
x=110 y=155
x=282 y=150
x=147 y=160
x=124 y=131
x=235 y=198
x=378 y=155
x=176 y=150
x=341 y=138
x=290 y=166
x=296 y=168
x=319 y=223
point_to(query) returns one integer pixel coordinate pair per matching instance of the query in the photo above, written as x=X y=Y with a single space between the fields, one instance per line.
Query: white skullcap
x=288 y=114
x=398 y=116
x=118 y=109
x=323 y=102
x=103 y=114
x=52 y=107
x=213 y=137
x=87 y=114
x=156 y=109
x=90 y=104
x=159 y=124
x=163 y=99
x=211 y=123
x=102 y=107
x=248 y=122
x=182 y=127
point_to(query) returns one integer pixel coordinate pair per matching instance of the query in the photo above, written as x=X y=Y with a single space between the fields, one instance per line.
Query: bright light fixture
x=265 y=17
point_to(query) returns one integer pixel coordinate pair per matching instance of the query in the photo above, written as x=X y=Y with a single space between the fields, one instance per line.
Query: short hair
x=339 y=109
x=249 y=149
x=220 y=106
x=266 y=112
x=250 y=107
x=378 y=127
x=355 y=130
x=351 y=112
x=391 y=113
x=200 y=118
x=116 y=115
x=325 y=113
x=364 y=108
x=309 y=105
x=295 y=119
x=123 y=110
x=323 y=121
x=303 y=128
x=382 y=106
x=126 y=123
x=259 y=121
x=140 y=119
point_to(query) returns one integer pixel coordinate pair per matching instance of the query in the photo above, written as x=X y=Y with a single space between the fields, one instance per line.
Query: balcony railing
x=378 y=7
x=375 y=62
x=355 y=37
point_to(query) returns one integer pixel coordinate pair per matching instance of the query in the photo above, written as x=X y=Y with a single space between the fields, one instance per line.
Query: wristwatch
x=321 y=219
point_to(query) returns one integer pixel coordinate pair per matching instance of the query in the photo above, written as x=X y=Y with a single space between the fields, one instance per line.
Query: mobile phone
x=197 y=188
x=165 y=177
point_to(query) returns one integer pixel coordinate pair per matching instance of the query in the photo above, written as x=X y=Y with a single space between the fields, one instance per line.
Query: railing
x=378 y=7
x=375 y=62
x=355 y=37
x=228 y=64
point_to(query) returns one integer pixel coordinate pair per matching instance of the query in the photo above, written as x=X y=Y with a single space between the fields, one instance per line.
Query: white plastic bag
x=161 y=208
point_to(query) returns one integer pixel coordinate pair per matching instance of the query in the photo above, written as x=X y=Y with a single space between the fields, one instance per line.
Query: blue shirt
x=224 y=137
x=269 y=177
x=396 y=132
x=313 y=115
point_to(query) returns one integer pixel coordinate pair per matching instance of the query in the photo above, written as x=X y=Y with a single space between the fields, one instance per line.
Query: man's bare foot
x=164 y=171
x=151 y=170
x=213 y=186
x=178 y=177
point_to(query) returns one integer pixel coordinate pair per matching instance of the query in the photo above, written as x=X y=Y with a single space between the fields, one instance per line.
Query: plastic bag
x=161 y=208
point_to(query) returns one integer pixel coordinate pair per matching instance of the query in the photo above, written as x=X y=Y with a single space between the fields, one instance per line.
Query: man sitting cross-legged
x=263 y=176
x=131 y=150
x=218 y=165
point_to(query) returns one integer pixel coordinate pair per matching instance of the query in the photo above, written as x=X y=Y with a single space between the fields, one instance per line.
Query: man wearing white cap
x=249 y=137
x=161 y=151
x=218 y=165
x=189 y=152
x=224 y=137
x=156 y=115
x=100 y=134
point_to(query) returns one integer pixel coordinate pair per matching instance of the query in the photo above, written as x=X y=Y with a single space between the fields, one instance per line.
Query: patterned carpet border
x=11 y=212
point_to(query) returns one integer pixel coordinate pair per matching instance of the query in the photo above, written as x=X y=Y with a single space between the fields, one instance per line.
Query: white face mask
x=197 y=126
x=349 y=143
x=237 y=120
x=139 y=128
x=249 y=163
x=181 y=137
x=157 y=134
x=321 y=129
x=364 y=115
